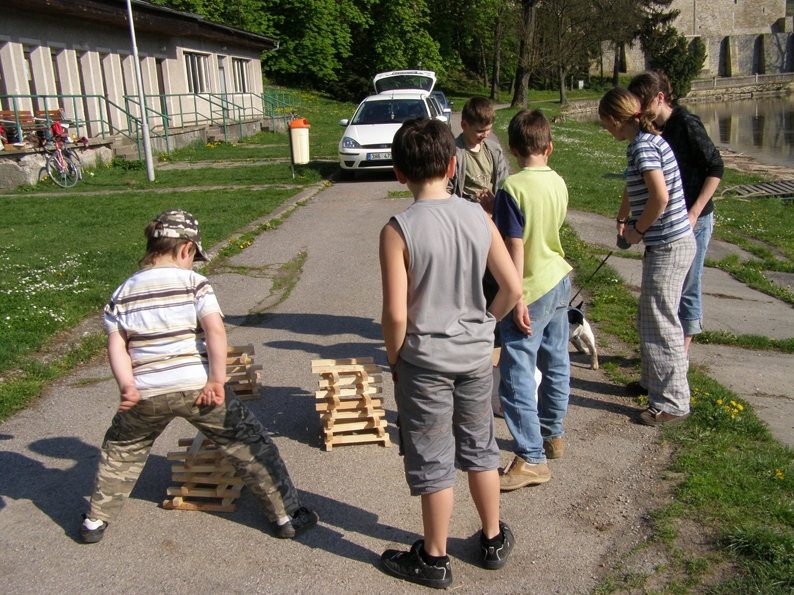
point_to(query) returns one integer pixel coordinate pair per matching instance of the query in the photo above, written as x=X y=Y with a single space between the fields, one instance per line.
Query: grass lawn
x=60 y=257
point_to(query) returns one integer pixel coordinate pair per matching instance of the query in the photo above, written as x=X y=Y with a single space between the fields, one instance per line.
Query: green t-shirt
x=479 y=171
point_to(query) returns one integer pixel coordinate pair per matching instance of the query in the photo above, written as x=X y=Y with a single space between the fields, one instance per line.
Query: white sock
x=91 y=525
x=283 y=521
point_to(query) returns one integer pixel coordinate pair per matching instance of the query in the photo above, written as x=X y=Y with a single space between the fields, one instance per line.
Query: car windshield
x=393 y=111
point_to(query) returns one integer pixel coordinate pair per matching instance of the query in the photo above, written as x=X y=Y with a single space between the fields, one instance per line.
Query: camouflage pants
x=236 y=431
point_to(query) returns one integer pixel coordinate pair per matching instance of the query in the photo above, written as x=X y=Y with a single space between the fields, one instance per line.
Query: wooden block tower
x=209 y=481
x=348 y=412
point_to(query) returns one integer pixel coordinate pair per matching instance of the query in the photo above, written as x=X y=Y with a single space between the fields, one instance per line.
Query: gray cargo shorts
x=444 y=418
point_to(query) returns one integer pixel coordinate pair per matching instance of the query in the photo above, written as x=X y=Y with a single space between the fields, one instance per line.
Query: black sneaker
x=410 y=566
x=635 y=389
x=303 y=519
x=92 y=535
x=495 y=553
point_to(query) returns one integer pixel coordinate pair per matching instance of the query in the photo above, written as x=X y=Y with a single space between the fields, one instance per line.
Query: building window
x=240 y=68
x=198 y=73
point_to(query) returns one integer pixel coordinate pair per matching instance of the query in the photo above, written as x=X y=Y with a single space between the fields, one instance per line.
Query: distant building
x=742 y=37
x=76 y=55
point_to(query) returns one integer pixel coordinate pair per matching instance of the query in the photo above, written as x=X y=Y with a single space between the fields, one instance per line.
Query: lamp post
x=147 y=150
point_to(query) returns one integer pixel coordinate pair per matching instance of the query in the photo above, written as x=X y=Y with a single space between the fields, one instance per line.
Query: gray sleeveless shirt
x=448 y=327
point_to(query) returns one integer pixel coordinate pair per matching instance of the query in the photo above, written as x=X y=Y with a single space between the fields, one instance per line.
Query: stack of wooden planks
x=349 y=412
x=209 y=481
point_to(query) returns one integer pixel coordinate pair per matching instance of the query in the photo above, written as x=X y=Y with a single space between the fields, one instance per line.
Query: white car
x=402 y=95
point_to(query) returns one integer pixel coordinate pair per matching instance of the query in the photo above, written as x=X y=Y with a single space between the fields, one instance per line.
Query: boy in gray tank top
x=439 y=338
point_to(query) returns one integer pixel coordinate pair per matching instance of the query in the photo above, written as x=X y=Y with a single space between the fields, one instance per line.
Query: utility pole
x=147 y=149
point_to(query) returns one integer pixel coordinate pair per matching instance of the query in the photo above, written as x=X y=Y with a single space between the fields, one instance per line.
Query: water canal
x=760 y=128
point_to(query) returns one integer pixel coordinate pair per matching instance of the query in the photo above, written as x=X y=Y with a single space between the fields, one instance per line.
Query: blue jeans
x=690 y=312
x=531 y=422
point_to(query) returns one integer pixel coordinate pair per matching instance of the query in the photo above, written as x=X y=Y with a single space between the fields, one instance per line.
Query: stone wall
x=27 y=167
x=727 y=17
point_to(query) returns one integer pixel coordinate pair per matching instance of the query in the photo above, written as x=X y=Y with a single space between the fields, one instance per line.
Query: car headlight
x=350 y=143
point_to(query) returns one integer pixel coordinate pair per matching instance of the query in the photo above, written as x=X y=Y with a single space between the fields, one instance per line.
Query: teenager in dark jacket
x=701 y=171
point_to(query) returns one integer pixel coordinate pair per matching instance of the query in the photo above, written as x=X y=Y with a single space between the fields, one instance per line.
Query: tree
x=670 y=52
x=526 y=54
x=567 y=37
x=399 y=37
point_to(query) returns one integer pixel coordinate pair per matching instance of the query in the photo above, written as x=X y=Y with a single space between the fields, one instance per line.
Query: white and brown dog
x=581 y=335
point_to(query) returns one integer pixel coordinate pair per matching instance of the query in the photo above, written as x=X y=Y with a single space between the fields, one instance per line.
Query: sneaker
x=410 y=566
x=552 y=448
x=92 y=535
x=520 y=473
x=654 y=417
x=635 y=389
x=494 y=555
x=303 y=519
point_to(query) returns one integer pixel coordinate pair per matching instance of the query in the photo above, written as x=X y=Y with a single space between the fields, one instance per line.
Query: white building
x=76 y=55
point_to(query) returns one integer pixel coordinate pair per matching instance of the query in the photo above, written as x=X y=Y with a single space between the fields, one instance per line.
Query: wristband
x=622 y=221
x=642 y=233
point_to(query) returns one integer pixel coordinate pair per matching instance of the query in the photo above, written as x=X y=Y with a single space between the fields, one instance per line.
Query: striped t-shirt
x=648 y=152
x=160 y=308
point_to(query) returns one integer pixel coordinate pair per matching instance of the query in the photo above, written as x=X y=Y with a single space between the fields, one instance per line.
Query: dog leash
x=590 y=277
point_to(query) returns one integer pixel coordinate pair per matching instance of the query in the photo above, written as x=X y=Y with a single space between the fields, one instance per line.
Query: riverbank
x=750 y=165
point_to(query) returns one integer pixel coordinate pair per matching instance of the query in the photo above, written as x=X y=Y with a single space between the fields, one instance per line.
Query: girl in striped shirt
x=653 y=211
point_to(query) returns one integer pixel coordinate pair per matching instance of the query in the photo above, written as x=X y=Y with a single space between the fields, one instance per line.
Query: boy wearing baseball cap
x=167 y=350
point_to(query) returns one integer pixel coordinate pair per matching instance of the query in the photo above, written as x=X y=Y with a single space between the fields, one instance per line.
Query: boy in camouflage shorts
x=167 y=349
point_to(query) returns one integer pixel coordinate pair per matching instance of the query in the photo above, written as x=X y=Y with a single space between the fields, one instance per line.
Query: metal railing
x=93 y=116
x=741 y=81
x=97 y=116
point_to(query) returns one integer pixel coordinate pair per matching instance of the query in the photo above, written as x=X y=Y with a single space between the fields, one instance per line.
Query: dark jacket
x=697 y=156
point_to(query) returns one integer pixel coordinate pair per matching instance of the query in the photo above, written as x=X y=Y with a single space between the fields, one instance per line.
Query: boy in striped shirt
x=167 y=350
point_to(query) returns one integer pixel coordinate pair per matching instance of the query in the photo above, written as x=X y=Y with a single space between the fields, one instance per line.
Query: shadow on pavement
x=58 y=493
x=320 y=324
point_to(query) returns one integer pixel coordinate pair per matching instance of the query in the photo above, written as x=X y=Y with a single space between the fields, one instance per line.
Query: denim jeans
x=690 y=312
x=531 y=422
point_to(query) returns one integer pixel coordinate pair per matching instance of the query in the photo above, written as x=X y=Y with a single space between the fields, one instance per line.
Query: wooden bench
x=10 y=119
x=209 y=481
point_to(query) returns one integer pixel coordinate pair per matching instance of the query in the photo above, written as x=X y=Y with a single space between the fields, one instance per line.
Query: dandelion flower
x=719 y=401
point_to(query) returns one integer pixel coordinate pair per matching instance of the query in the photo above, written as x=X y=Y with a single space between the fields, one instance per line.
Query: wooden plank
x=341 y=362
x=347 y=405
x=204 y=493
x=207 y=479
x=182 y=504
x=348 y=380
x=336 y=427
x=348 y=392
x=353 y=414
x=249 y=349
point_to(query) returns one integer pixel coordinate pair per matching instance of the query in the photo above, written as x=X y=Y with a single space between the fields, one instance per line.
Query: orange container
x=299 y=136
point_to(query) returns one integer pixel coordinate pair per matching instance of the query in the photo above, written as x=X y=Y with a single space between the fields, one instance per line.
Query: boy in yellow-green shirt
x=529 y=211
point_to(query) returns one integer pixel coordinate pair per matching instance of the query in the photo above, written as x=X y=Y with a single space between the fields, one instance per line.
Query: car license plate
x=376 y=156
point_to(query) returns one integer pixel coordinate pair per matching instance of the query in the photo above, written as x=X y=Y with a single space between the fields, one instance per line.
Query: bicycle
x=63 y=165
